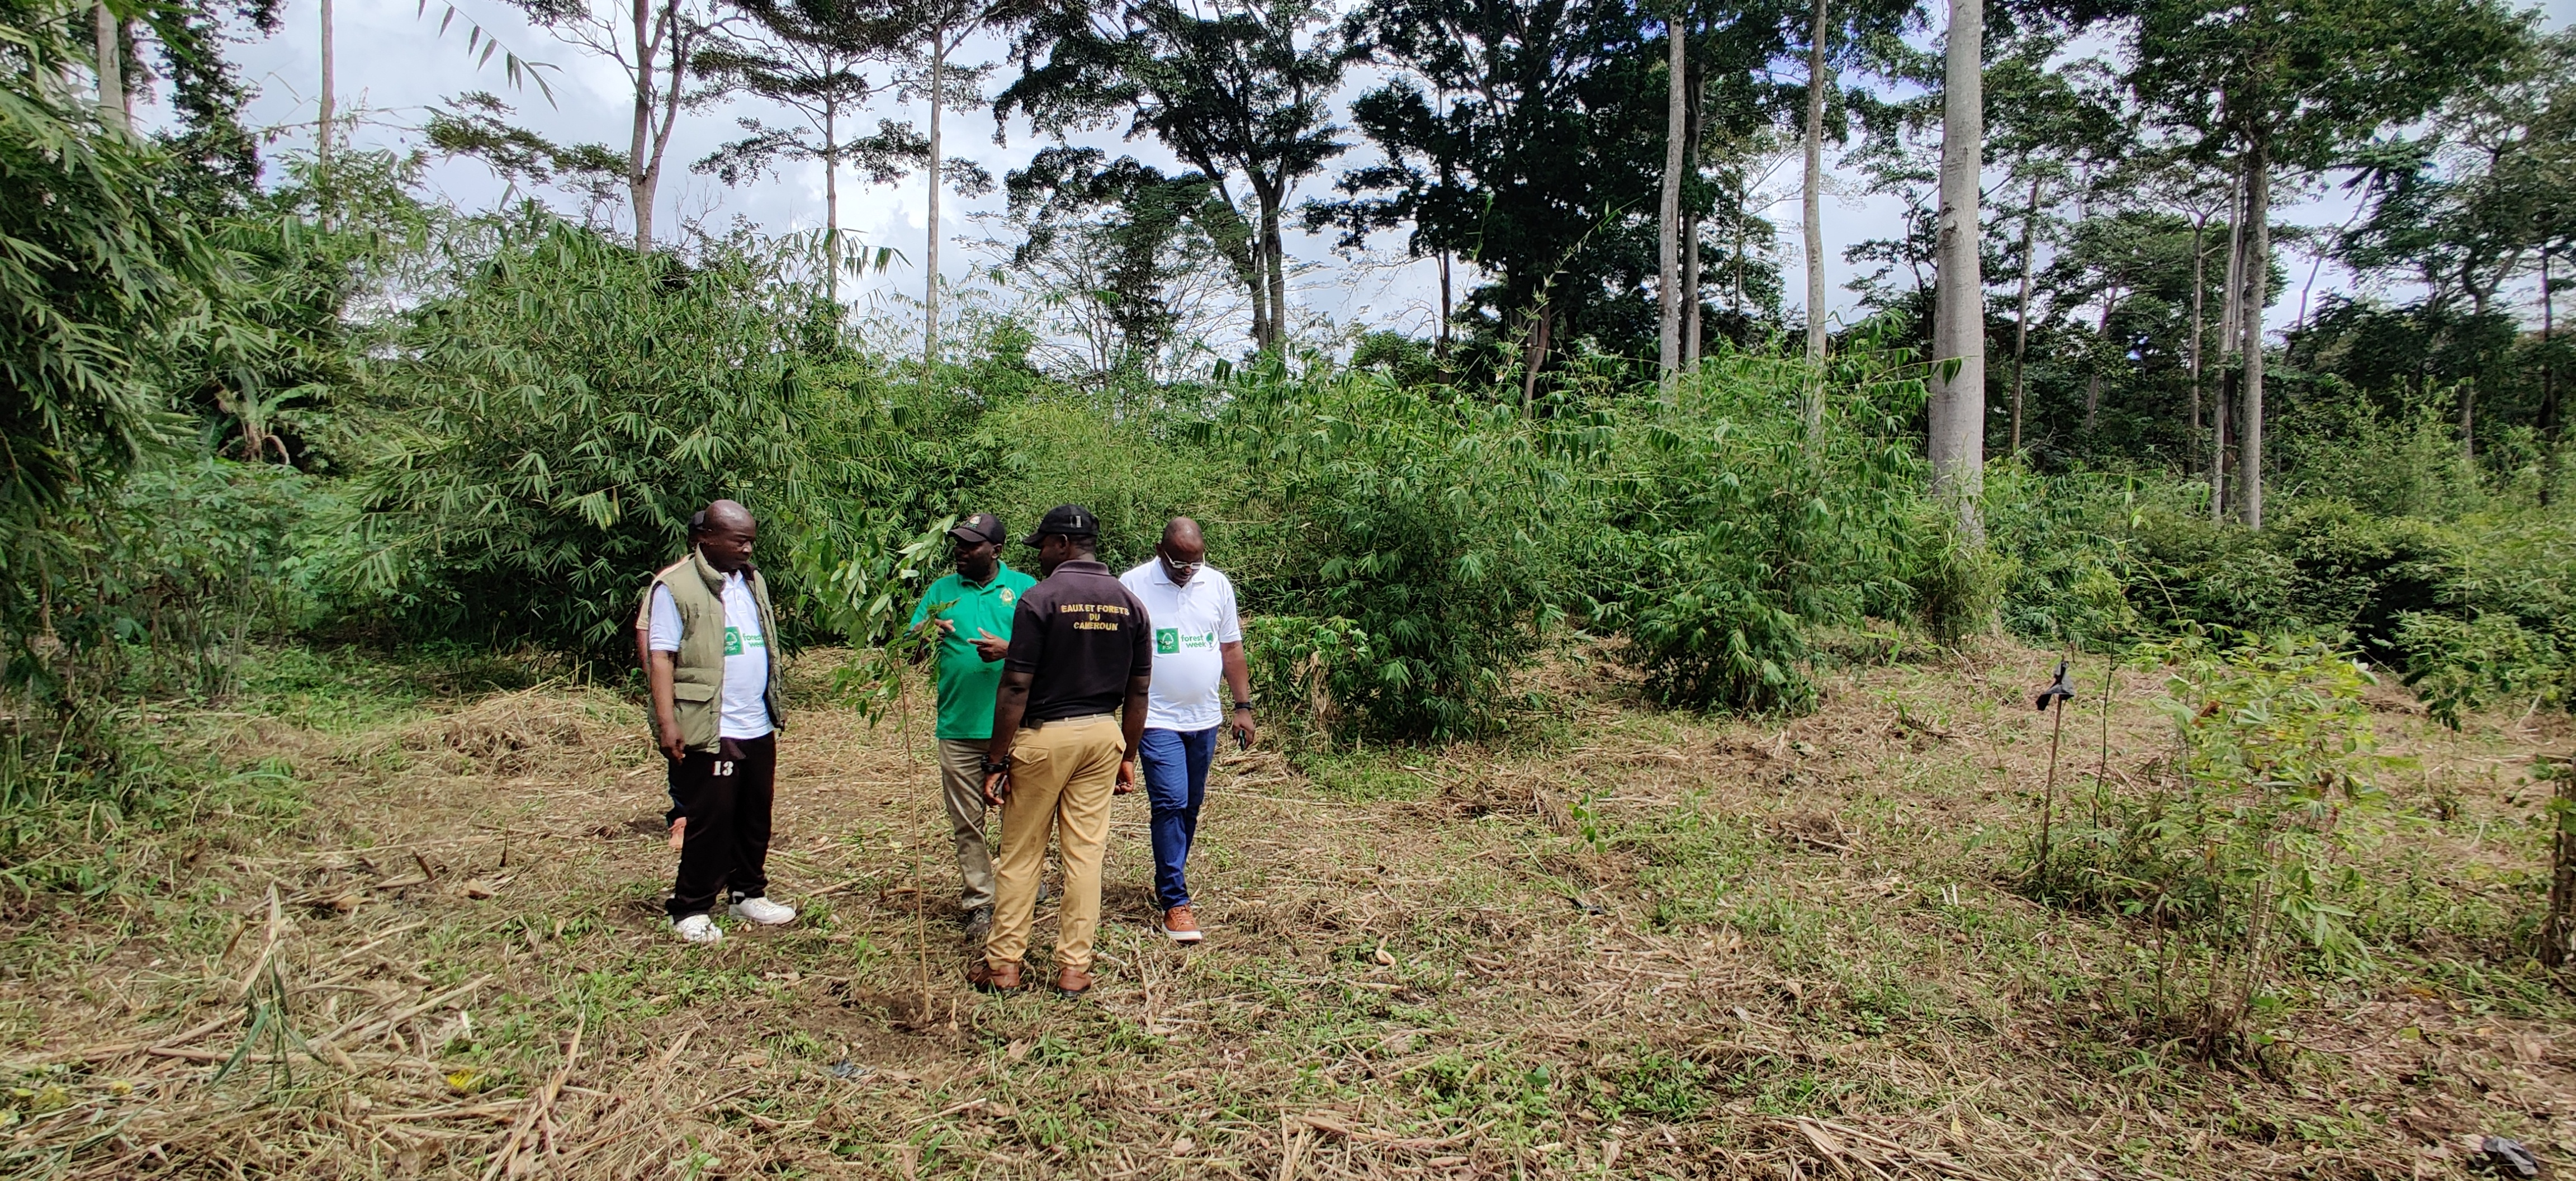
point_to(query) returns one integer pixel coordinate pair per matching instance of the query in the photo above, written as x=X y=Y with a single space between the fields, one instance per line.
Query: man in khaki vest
x=672 y=820
x=715 y=716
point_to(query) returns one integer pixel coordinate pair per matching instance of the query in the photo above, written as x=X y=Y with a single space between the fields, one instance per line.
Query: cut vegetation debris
x=427 y=942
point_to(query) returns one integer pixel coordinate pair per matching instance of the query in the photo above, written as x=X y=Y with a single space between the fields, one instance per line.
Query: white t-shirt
x=746 y=679
x=1189 y=622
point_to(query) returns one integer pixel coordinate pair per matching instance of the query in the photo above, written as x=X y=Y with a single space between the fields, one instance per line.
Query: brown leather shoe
x=991 y=977
x=1181 y=924
x=1072 y=982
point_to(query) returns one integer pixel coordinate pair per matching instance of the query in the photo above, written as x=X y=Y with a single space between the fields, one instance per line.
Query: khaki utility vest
x=697 y=676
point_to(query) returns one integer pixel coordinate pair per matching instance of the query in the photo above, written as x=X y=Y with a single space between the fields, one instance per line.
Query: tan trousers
x=961 y=776
x=1061 y=778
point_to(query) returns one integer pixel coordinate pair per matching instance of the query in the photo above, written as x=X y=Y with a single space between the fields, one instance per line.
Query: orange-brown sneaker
x=1181 y=924
x=1072 y=982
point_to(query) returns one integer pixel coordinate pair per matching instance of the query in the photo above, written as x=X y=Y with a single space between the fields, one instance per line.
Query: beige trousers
x=1061 y=779
x=961 y=776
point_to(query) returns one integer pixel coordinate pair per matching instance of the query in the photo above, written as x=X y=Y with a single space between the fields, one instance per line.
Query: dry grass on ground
x=425 y=940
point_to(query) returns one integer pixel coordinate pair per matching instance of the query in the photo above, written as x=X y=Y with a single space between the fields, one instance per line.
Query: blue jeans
x=1176 y=771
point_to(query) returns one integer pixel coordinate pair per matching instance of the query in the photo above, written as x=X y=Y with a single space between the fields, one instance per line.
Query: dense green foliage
x=323 y=401
x=1429 y=522
x=565 y=405
x=2245 y=868
x=1729 y=533
x=308 y=405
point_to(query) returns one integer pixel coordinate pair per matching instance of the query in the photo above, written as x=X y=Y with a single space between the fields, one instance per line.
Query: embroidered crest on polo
x=1008 y=594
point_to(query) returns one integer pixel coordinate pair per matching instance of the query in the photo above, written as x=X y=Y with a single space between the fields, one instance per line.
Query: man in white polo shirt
x=1198 y=649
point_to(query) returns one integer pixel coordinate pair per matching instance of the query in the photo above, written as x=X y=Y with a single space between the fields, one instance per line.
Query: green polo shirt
x=966 y=682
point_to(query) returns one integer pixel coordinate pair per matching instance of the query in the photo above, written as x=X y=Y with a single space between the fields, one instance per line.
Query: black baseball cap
x=981 y=527
x=1068 y=520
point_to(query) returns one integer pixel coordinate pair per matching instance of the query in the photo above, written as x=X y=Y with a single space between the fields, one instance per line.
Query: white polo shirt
x=1189 y=622
x=746 y=678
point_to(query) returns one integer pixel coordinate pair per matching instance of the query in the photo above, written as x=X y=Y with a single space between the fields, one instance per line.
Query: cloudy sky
x=394 y=67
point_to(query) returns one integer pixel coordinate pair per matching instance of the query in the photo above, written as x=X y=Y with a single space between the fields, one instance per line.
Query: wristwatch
x=993 y=766
x=1242 y=705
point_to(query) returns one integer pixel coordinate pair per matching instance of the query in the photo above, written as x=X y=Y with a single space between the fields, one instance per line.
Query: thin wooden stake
x=2102 y=772
x=2048 y=801
x=2560 y=926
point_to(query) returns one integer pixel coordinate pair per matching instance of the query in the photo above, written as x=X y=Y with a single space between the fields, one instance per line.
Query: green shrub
x=2105 y=557
x=1295 y=660
x=2405 y=463
x=2244 y=869
x=2457 y=665
x=2515 y=566
x=1034 y=455
x=2062 y=550
x=1425 y=522
x=1725 y=533
x=563 y=406
x=2478 y=609
x=1954 y=582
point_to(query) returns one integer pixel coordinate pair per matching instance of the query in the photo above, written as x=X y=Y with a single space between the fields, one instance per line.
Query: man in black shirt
x=1066 y=724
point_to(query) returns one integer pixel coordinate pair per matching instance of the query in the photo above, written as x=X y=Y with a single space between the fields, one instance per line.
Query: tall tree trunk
x=2021 y=307
x=1276 y=252
x=2469 y=421
x=1690 y=292
x=2549 y=409
x=110 y=33
x=1668 y=216
x=2199 y=276
x=2229 y=339
x=1735 y=269
x=1445 y=180
x=2231 y=305
x=2258 y=275
x=2093 y=380
x=639 y=183
x=930 y=250
x=1692 y=266
x=328 y=114
x=2469 y=388
x=2222 y=414
x=1258 y=282
x=655 y=36
x=1958 y=412
x=1444 y=306
x=1812 y=195
x=1540 y=318
x=832 y=202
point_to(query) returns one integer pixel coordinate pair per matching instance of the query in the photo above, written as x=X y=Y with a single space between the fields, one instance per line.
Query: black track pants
x=727 y=800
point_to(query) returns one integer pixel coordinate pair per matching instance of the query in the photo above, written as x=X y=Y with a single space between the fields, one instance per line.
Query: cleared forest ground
x=421 y=926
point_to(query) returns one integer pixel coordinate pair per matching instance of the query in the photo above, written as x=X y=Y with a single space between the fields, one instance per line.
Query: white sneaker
x=697 y=928
x=764 y=912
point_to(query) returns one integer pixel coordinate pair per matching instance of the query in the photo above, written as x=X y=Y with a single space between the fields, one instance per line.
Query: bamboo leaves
x=569 y=403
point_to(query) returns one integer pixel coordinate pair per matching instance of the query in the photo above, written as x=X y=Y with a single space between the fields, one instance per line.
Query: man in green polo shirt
x=971 y=611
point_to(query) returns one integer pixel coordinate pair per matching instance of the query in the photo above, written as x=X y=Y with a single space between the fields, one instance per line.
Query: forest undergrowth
x=408 y=924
